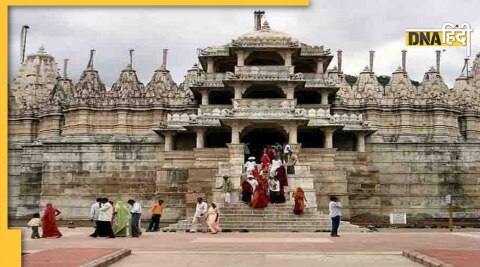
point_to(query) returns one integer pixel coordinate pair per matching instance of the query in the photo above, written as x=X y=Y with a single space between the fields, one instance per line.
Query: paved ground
x=266 y=249
x=464 y=258
x=56 y=257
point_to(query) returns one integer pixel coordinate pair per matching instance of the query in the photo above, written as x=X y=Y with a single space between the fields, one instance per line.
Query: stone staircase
x=274 y=218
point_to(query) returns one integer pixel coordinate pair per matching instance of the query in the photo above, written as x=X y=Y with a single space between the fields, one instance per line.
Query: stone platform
x=66 y=257
x=274 y=218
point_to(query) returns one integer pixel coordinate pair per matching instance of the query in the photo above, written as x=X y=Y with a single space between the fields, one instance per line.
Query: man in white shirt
x=335 y=209
x=94 y=212
x=250 y=165
x=105 y=219
x=136 y=212
x=198 y=217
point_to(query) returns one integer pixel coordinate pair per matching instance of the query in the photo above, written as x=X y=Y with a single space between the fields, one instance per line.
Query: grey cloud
x=353 y=26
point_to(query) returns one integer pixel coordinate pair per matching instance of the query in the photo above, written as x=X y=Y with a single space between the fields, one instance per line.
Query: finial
x=257 y=22
x=438 y=58
x=165 y=54
x=65 y=62
x=339 y=60
x=41 y=49
x=131 y=58
x=90 y=61
x=23 y=42
x=372 y=53
x=266 y=26
x=404 y=60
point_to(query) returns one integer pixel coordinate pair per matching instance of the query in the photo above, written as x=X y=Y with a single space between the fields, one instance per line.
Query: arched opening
x=223 y=97
x=344 y=141
x=259 y=136
x=307 y=97
x=310 y=137
x=264 y=91
x=264 y=58
x=185 y=141
x=218 y=137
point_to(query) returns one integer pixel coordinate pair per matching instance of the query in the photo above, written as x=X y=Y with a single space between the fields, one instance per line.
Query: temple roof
x=266 y=37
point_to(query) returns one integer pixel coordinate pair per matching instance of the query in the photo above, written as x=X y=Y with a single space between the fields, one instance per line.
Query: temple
x=397 y=148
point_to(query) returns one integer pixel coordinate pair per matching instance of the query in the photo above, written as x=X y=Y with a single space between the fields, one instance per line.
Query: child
x=35 y=222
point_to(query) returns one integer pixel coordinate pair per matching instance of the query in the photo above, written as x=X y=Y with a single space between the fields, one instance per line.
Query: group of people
x=122 y=219
x=48 y=222
x=266 y=184
x=205 y=215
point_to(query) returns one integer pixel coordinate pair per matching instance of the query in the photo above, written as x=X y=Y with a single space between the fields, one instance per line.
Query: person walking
x=94 y=212
x=154 y=224
x=122 y=216
x=213 y=219
x=105 y=219
x=198 y=217
x=136 y=212
x=34 y=223
x=49 y=222
x=227 y=188
x=335 y=208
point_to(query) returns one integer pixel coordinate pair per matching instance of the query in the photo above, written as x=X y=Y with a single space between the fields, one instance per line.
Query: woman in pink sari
x=49 y=222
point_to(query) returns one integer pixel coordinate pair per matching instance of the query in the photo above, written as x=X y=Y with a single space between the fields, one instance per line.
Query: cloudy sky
x=353 y=26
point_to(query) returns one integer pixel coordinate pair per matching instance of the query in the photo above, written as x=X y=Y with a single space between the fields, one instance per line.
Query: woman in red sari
x=260 y=198
x=299 y=196
x=265 y=159
x=49 y=222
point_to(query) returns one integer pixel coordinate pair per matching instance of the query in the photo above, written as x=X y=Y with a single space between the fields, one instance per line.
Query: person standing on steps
x=199 y=216
x=212 y=219
x=249 y=166
x=335 y=208
x=227 y=187
x=136 y=212
x=154 y=224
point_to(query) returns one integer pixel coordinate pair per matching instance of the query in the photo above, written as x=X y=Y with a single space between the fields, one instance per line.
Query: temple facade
x=397 y=148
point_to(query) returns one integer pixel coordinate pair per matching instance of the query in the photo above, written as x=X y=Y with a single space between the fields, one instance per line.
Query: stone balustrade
x=313 y=113
x=265 y=73
x=206 y=80
x=214 y=51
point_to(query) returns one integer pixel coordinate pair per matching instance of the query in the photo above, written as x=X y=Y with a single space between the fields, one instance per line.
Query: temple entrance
x=256 y=138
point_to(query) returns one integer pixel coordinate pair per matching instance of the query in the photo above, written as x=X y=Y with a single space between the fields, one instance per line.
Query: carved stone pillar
x=320 y=66
x=240 y=58
x=169 y=141
x=204 y=97
x=292 y=134
x=360 y=142
x=324 y=96
x=289 y=91
x=200 y=137
x=328 y=137
x=236 y=133
x=288 y=58
x=238 y=91
x=210 y=65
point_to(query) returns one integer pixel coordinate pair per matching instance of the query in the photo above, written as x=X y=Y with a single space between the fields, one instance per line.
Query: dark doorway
x=344 y=141
x=220 y=97
x=264 y=58
x=264 y=91
x=258 y=138
x=218 y=137
x=310 y=137
x=307 y=97
x=185 y=141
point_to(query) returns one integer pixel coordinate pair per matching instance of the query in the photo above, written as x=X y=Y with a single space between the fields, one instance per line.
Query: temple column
x=320 y=66
x=288 y=58
x=204 y=97
x=236 y=133
x=289 y=91
x=324 y=99
x=240 y=58
x=360 y=142
x=238 y=91
x=210 y=65
x=292 y=134
x=328 y=137
x=169 y=141
x=200 y=137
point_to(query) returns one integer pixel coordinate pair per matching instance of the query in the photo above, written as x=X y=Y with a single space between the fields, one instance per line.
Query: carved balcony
x=274 y=73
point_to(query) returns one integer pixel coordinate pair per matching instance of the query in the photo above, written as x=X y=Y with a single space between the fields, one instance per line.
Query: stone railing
x=345 y=118
x=318 y=80
x=183 y=119
x=265 y=43
x=214 y=51
x=264 y=108
x=314 y=51
x=215 y=110
x=207 y=80
x=313 y=113
x=265 y=73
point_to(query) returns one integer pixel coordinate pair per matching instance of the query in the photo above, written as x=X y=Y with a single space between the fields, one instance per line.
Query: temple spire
x=465 y=68
x=258 y=19
x=372 y=54
x=339 y=60
x=23 y=42
x=65 y=65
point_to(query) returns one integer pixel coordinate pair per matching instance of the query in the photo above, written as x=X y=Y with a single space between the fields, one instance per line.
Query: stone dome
x=266 y=37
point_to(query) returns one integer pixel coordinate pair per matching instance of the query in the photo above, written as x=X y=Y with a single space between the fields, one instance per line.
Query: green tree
x=351 y=80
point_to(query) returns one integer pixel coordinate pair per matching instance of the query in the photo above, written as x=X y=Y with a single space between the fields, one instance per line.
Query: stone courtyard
x=397 y=148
